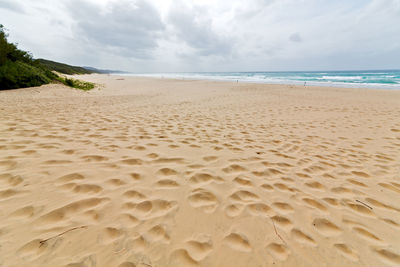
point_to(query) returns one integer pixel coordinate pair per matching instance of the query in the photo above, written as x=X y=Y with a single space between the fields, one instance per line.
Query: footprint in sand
x=127 y=264
x=210 y=158
x=70 y=177
x=390 y=187
x=136 y=176
x=132 y=162
x=57 y=162
x=94 y=158
x=238 y=242
x=203 y=199
x=271 y=172
x=388 y=256
x=283 y=207
x=110 y=234
x=4 y=194
x=367 y=235
x=326 y=227
x=32 y=249
x=27 y=211
x=11 y=180
x=134 y=195
x=315 y=185
x=279 y=251
x=355 y=182
x=267 y=187
x=150 y=209
x=241 y=181
x=379 y=204
x=332 y=201
x=7 y=165
x=199 y=247
x=360 y=174
x=341 y=190
x=128 y=220
x=87 y=189
x=167 y=171
x=157 y=233
x=64 y=213
x=260 y=209
x=116 y=182
x=391 y=222
x=244 y=196
x=360 y=209
x=303 y=238
x=282 y=222
x=181 y=257
x=234 y=210
x=283 y=187
x=204 y=178
x=234 y=168
x=167 y=184
x=315 y=204
x=169 y=160
x=347 y=251
x=138 y=243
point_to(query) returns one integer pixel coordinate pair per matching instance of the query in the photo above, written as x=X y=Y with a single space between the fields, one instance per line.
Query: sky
x=203 y=35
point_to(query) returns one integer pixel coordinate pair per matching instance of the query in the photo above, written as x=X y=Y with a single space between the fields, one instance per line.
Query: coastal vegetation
x=18 y=69
x=63 y=68
x=78 y=84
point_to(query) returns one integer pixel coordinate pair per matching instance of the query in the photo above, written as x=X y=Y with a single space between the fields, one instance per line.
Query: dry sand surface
x=156 y=172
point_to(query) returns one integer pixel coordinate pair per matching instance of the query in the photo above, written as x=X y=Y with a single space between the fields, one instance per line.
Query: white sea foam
x=386 y=80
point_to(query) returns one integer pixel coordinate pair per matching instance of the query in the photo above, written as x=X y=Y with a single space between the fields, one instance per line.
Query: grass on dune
x=78 y=84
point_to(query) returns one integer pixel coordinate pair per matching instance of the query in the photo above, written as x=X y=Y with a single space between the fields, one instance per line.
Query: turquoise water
x=373 y=79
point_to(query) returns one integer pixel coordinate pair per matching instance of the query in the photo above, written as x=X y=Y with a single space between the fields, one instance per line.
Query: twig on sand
x=364 y=204
x=69 y=230
x=276 y=232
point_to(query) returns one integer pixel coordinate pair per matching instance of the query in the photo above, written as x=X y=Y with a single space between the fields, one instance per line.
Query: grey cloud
x=295 y=37
x=198 y=34
x=221 y=35
x=127 y=28
x=12 y=5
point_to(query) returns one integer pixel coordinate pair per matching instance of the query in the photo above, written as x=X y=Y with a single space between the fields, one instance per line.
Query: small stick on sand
x=364 y=204
x=45 y=240
x=276 y=232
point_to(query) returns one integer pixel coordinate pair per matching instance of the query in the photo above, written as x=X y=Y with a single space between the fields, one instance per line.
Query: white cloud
x=125 y=28
x=206 y=35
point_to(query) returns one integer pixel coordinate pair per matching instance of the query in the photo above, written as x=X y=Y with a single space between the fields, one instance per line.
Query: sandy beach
x=161 y=172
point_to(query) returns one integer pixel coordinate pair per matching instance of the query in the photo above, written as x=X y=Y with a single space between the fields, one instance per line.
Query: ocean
x=386 y=79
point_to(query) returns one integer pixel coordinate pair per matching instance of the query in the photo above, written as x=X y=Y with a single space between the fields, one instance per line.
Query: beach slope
x=159 y=172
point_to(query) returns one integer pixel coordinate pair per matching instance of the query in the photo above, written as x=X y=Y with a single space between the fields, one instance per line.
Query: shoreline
x=244 y=83
x=297 y=83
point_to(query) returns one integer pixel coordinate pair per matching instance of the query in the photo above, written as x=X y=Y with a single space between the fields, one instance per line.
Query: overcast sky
x=206 y=35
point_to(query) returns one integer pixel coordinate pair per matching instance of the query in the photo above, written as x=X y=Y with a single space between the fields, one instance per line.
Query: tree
x=3 y=45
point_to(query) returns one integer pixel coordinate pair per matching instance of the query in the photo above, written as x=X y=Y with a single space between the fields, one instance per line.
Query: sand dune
x=157 y=172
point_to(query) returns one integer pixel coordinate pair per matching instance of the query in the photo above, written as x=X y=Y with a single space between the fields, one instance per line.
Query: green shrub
x=17 y=68
x=63 y=68
x=69 y=82
x=19 y=74
x=78 y=84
